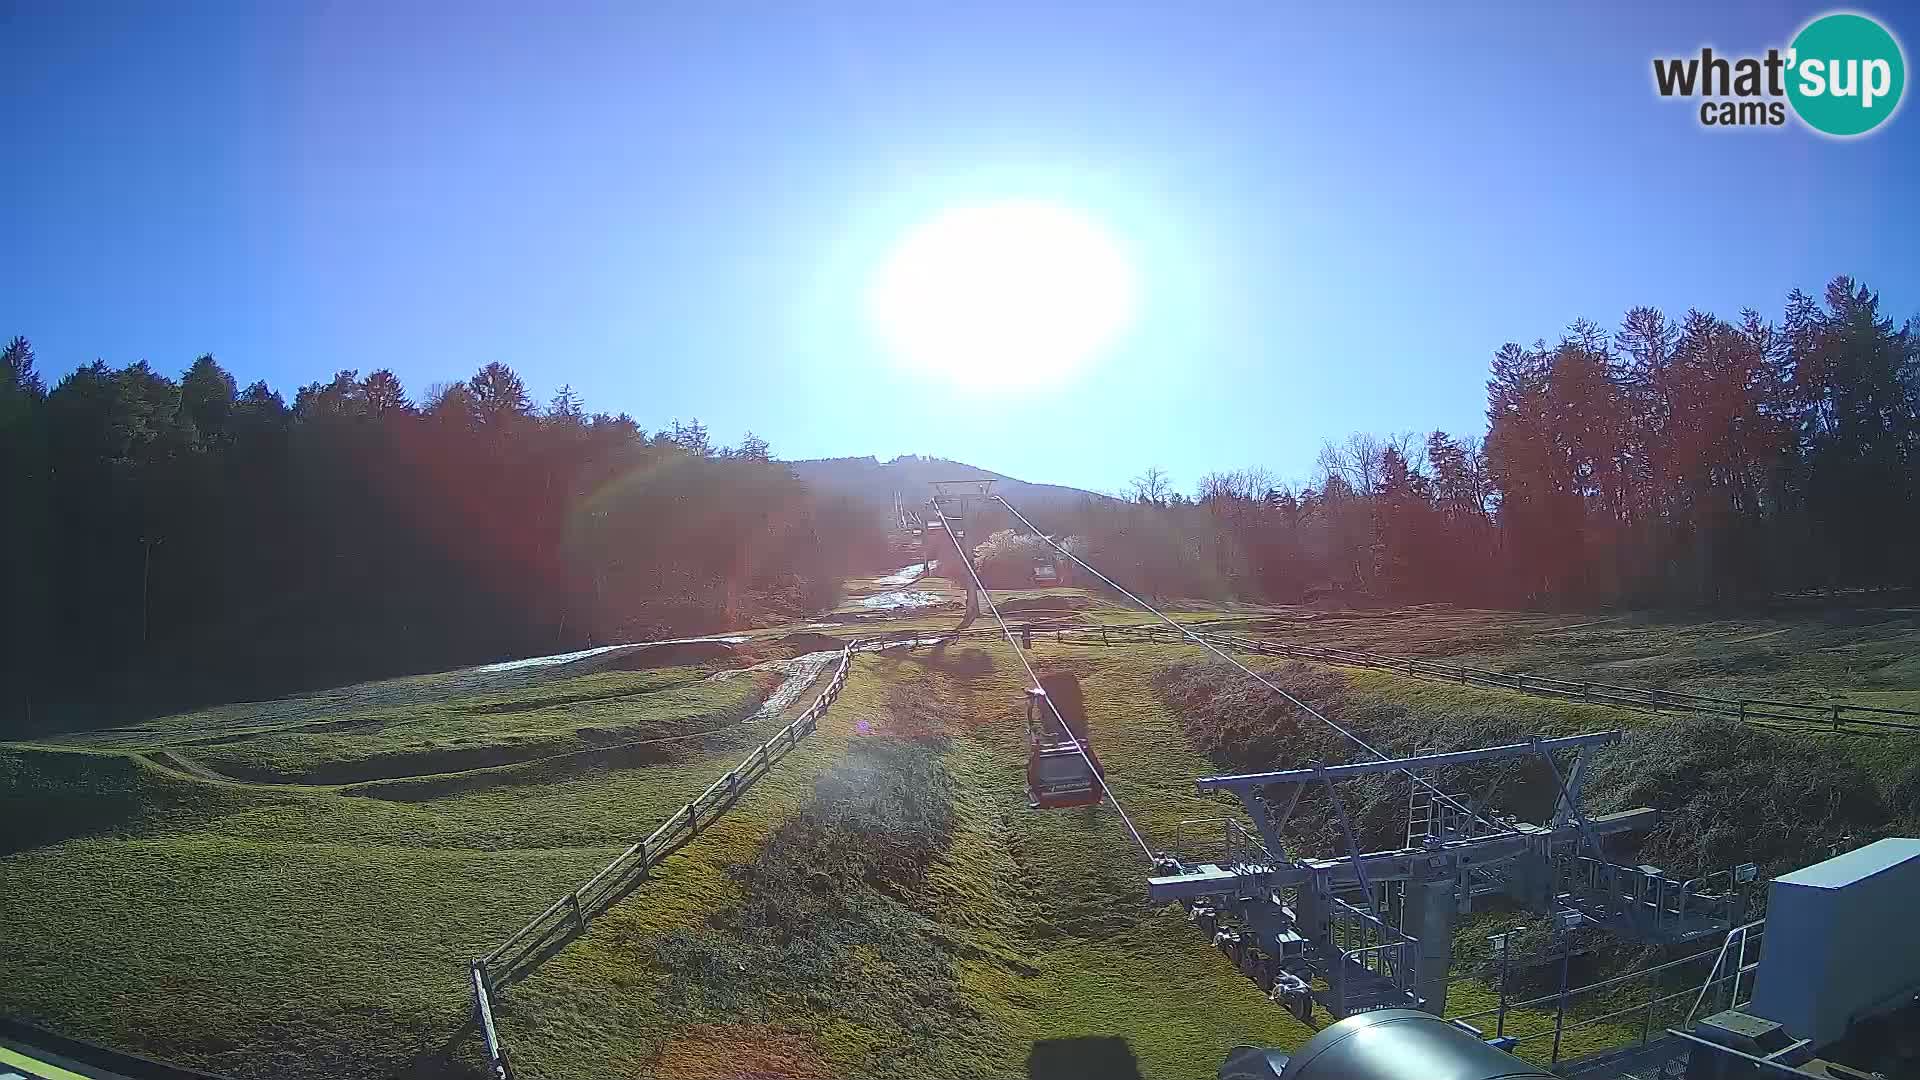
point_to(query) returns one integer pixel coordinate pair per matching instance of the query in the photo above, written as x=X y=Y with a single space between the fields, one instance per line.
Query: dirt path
x=898 y=601
x=568 y=658
x=801 y=671
x=906 y=575
x=180 y=766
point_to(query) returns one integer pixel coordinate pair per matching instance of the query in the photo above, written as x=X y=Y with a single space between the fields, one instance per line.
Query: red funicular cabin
x=1062 y=769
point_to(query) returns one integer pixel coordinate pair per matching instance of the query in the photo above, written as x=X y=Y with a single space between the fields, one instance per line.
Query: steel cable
x=1256 y=676
x=1098 y=777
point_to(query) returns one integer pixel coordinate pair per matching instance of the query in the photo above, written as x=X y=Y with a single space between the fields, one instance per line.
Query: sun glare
x=1013 y=294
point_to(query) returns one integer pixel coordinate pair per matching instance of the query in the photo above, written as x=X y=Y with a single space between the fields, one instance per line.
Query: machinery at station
x=1364 y=930
x=1386 y=1044
x=1833 y=994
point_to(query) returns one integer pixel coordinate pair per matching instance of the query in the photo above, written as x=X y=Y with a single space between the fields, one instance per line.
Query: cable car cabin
x=1058 y=774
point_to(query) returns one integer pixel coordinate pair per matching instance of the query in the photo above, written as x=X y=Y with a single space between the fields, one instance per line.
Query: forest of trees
x=176 y=541
x=171 y=541
x=1697 y=462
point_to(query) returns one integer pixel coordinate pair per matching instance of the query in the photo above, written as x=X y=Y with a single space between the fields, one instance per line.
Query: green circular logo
x=1845 y=74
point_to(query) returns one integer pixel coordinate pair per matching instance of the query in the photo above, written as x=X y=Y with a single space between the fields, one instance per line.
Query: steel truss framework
x=1372 y=930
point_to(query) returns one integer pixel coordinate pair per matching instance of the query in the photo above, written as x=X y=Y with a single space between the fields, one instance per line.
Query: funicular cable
x=1256 y=676
x=1078 y=746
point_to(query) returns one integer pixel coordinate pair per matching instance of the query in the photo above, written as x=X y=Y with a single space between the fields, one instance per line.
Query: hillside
x=292 y=888
x=870 y=479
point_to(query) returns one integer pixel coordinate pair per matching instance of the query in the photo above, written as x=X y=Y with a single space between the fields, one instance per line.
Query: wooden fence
x=1833 y=716
x=572 y=913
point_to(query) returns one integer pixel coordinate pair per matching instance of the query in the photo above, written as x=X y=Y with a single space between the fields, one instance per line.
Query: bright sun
x=1012 y=294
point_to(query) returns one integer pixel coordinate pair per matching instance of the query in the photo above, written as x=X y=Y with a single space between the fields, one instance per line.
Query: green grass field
x=1866 y=657
x=293 y=888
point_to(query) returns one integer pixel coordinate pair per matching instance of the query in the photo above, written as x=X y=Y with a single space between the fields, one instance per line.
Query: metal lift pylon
x=1374 y=930
x=952 y=503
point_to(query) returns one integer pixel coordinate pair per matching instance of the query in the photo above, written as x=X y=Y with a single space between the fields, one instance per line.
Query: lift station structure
x=944 y=533
x=1374 y=930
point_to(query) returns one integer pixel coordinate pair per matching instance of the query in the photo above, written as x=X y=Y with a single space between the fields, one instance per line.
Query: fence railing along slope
x=571 y=913
x=1835 y=716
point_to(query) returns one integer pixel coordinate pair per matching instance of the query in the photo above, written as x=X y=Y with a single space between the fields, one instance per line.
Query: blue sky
x=1336 y=216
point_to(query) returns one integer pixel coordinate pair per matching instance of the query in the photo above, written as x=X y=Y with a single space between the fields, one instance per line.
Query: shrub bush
x=1730 y=793
x=1006 y=560
x=1904 y=798
x=1236 y=721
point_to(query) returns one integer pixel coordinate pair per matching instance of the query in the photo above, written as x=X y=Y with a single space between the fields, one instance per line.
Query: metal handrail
x=1561 y=999
x=1560 y=1027
x=1367 y=918
x=1602 y=1018
x=1740 y=966
x=1601 y=985
x=1389 y=959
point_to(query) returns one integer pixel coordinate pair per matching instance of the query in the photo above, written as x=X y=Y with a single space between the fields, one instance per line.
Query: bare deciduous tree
x=1152 y=486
